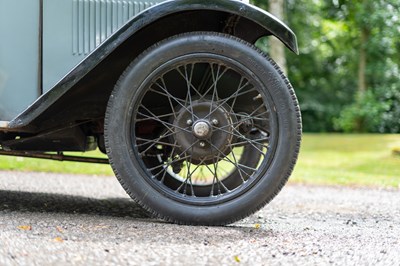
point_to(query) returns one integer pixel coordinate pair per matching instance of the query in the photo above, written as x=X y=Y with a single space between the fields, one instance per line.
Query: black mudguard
x=270 y=25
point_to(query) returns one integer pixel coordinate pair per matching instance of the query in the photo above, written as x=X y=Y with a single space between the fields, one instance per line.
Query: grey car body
x=60 y=61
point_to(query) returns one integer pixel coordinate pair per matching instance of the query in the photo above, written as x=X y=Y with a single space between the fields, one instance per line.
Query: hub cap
x=202 y=130
x=210 y=140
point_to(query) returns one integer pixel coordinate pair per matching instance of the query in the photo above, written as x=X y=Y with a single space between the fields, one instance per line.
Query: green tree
x=277 y=48
x=376 y=25
x=348 y=68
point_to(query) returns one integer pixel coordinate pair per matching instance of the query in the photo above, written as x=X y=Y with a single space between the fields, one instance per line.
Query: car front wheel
x=202 y=129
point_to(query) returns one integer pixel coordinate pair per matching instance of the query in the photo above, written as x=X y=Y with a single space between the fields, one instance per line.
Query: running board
x=57 y=157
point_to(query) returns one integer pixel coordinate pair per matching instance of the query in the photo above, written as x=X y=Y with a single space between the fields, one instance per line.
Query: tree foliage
x=347 y=76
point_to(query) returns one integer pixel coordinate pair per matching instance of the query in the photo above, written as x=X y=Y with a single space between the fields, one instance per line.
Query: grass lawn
x=338 y=159
x=325 y=159
x=40 y=165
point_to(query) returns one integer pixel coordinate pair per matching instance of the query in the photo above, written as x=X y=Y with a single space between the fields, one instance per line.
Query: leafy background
x=347 y=74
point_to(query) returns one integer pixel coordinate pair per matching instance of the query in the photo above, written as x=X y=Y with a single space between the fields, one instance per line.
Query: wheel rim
x=202 y=129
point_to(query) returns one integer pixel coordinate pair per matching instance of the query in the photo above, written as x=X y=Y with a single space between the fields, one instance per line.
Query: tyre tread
x=250 y=211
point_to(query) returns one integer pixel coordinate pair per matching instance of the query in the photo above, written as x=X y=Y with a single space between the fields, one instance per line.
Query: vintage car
x=199 y=126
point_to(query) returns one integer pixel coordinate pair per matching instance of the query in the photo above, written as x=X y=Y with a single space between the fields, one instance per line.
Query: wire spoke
x=250 y=115
x=215 y=176
x=219 y=183
x=165 y=124
x=224 y=101
x=240 y=135
x=176 y=99
x=147 y=141
x=205 y=79
x=247 y=167
x=236 y=162
x=169 y=98
x=168 y=164
x=170 y=156
x=189 y=176
x=247 y=117
x=156 y=141
x=236 y=94
x=253 y=140
x=254 y=117
x=216 y=79
x=189 y=94
x=226 y=158
x=188 y=82
x=250 y=142
x=215 y=90
x=174 y=161
x=184 y=106
x=234 y=100
x=152 y=118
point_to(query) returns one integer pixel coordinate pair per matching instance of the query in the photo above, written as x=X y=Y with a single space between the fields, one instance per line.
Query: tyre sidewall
x=130 y=171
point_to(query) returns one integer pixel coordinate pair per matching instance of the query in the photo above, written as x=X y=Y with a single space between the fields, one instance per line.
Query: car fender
x=55 y=99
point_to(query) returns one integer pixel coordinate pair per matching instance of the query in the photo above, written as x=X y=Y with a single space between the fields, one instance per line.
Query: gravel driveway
x=51 y=219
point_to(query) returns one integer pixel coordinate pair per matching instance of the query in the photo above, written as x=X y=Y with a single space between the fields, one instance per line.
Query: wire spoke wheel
x=200 y=139
x=211 y=137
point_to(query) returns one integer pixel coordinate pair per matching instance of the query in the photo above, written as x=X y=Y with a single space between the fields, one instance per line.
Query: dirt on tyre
x=202 y=129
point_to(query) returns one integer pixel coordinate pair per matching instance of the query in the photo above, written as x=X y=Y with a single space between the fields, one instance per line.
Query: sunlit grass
x=335 y=159
x=325 y=159
x=204 y=175
x=40 y=165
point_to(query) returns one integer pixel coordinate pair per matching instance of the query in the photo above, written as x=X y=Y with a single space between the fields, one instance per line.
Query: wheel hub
x=209 y=132
x=202 y=130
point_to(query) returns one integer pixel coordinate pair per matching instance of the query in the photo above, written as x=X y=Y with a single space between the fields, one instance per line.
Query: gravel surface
x=48 y=219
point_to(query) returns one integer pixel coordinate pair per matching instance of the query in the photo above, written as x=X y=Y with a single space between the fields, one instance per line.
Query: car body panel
x=62 y=53
x=69 y=36
x=19 y=56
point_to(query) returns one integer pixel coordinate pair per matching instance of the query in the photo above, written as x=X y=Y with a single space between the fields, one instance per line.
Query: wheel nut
x=202 y=144
x=215 y=122
x=189 y=122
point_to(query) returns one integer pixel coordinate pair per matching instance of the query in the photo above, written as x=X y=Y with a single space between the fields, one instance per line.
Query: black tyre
x=202 y=128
